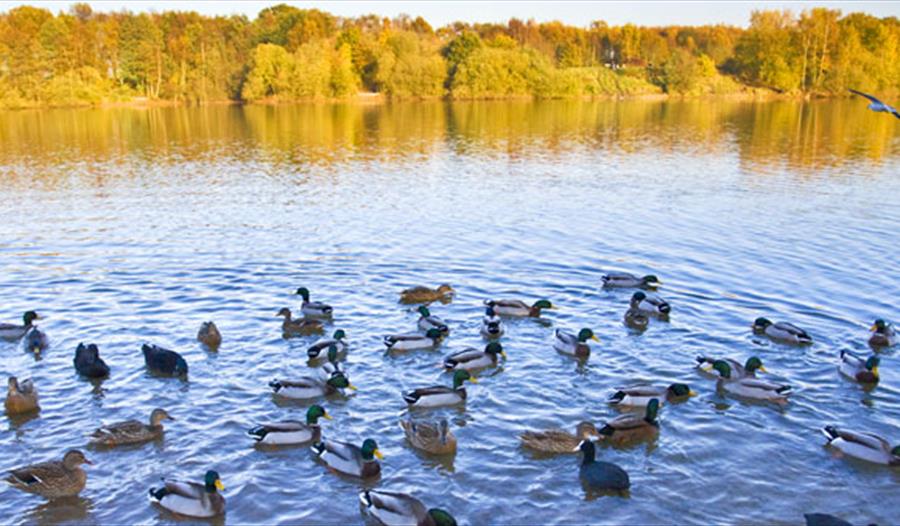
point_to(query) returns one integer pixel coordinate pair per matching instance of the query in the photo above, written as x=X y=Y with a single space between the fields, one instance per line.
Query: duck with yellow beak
x=350 y=459
x=190 y=498
x=574 y=345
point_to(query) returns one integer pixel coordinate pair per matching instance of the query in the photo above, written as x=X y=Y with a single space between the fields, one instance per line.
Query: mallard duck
x=558 y=440
x=636 y=319
x=600 y=475
x=209 y=335
x=864 y=371
x=11 y=331
x=491 y=325
x=436 y=439
x=748 y=370
x=824 y=519
x=441 y=395
x=781 y=331
x=640 y=395
x=421 y=294
x=164 y=361
x=54 y=479
x=624 y=280
x=332 y=365
x=861 y=445
x=428 y=321
x=319 y=350
x=751 y=388
x=36 y=341
x=21 y=398
x=349 y=459
x=302 y=327
x=568 y=343
x=131 y=431
x=311 y=387
x=291 y=431
x=883 y=334
x=190 y=498
x=413 y=342
x=472 y=359
x=518 y=308
x=631 y=427
x=399 y=509
x=313 y=309
x=650 y=304
x=88 y=362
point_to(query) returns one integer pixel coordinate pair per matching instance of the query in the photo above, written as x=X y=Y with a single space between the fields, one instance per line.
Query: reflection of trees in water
x=798 y=134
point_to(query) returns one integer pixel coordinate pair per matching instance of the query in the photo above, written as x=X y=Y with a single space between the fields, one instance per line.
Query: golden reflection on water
x=800 y=135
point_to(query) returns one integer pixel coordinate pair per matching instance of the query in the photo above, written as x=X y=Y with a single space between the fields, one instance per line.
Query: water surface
x=128 y=226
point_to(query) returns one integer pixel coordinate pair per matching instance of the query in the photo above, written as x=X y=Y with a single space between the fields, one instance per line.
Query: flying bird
x=877 y=105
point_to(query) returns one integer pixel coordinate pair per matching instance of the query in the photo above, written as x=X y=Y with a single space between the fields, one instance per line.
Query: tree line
x=82 y=57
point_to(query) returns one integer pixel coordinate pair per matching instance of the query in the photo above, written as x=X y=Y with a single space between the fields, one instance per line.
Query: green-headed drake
x=747 y=370
x=473 y=359
x=518 y=308
x=191 y=498
x=413 y=341
x=350 y=459
x=307 y=387
x=12 y=332
x=782 y=332
x=624 y=280
x=390 y=508
x=428 y=321
x=431 y=437
x=441 y=395
x=751 y=388
x=862 y=445
x=640 y=395
x=652 y=304
x=631 y=427
x=863 y=370
x=290 y=432
x=883 y=334
x=574 y=345
x=313 y=309
x=319 y=350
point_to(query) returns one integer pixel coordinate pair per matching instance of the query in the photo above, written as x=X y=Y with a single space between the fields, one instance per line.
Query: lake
x=126 y=226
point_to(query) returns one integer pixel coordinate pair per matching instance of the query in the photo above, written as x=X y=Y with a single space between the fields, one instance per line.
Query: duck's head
x=879 y=326
x=460 y=376
x=30 y=316
x=370 y=449
x=680 y=390
x=652 y=410
x=441 y=517
x=495 y=348
x=651 y=280
x=489 y=312
x=304 y=292
x=212 y=482
x=314 y=413
x=339 y=334
x=542 y=304
x=722 y=368
x=754 y=364
x=434 y=334
x=445 y=288
x=872 y=364
x=638 y=297
x=158 y=415
x=286 y=312
x=760 y=324
x=12 y=385
x=587 y=334
x=423 y=310
x=74 y=458
x=585 y=430
x=340 y=381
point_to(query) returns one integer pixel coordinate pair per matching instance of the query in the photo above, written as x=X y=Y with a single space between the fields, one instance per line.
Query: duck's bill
x=595 y=338
x=693 y=394
x=503 y=354
x=219 y=485
x=762 y=369
x=873 y=328
x=378 y=455
x=473 y=379
x=88 y=462
x=352 y=387
x=326 y=416
x=875 y=370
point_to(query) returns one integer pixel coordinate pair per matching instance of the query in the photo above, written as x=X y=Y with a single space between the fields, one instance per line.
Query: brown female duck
x=21 y=398
x=54 y=479
x=131 y=431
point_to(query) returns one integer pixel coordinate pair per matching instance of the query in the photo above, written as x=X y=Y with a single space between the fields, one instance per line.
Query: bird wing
x=565 y=337
x=865 y=439
x=643 y=390
x=626 y=421
x=188 y=490
x=518 y=304
x=397 y=503
x=129 y=426
x=792 y=329
x=286 y=425
x=866 y=95
x=36 y=473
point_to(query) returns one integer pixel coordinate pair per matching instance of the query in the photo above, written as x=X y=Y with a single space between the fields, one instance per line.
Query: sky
x=442 y=12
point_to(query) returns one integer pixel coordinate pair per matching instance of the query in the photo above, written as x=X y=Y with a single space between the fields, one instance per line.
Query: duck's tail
x=365 y=499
